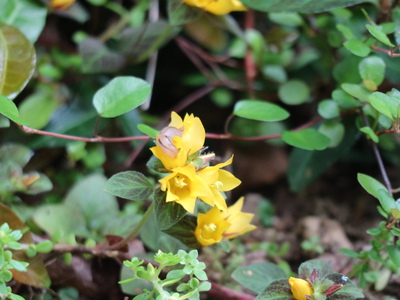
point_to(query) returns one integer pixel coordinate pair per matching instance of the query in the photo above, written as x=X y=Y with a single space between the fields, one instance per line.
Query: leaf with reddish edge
x=36 y=274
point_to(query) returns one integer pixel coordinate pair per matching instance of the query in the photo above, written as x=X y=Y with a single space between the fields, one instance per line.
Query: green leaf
x=148 y=130
x=96 y=206
x=371 y=185
x=43 y=184
x=370 y=133
x=305 y=6
x=328 y=109
x=357 y=47
x=334 y=130
x=37 y=109
x=28 y=16
x=394 y=254
x=357 y=91
x=139 y=43
x=183 y=231
x=121 y=95
x=348 y=291
x=294 y=92
x=17 y=60
x=97 y=57
x=322 y=267
x=167 y=213
x=309 y=139
x=36 y=275
x=385 y=104
x=18 y=154
x=344 y=100
x=256 y=277
x=259 y=110
x=180 y=13
x=386 y=200
x=10 y=110
x=130 y=185
x=276 y=290
x=284 y=18
x=377 y=32
x=372 y=68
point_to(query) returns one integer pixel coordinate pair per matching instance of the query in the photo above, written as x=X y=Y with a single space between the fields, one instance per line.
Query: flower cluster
x=217 y=7
x=179 y=147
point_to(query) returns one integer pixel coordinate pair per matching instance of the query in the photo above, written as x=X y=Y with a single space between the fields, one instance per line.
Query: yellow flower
x=218 y=181
x=240 y=221
x=184 y=186
x=61 y=4
x=179 y=140
x=217 y=7
x=300 y=288
x=216 y=224
x=210 y=227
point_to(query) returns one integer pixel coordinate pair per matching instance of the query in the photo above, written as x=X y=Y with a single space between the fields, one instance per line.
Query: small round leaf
x=309 y=139
x=294 y=92
x=260 y=111
x=121 y=95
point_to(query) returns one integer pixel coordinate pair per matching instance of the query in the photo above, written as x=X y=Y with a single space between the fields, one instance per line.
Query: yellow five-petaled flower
x=300 y=288
x=215 y=225
x=217 y=7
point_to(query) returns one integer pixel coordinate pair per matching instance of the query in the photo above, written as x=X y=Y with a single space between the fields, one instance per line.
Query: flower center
x=180 y=182
x=209 y=230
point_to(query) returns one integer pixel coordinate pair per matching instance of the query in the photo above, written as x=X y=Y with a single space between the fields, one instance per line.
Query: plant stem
x=135 y=231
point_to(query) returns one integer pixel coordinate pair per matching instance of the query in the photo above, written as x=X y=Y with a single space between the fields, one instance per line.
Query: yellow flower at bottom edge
x=217 y=7
x=300 y=288
x=61 y=4
x=240 y=221
x=210 y=227
x=178 y=140
x=184 y=186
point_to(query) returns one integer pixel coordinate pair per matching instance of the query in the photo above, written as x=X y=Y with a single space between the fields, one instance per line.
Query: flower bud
x=300 y=288
x=165 y=140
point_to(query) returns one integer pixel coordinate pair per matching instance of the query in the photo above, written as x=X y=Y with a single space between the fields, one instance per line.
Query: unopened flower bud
x=165 y=140
x=300 y=288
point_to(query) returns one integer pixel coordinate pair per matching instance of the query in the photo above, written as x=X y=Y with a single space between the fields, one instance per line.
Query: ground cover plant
x=199 y=149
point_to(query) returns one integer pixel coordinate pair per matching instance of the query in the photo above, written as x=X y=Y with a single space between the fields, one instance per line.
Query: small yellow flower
x=217 y=7
x=61 y=4
x=184 y=186
x=240 y=221
x=180 y=139
x=300 y=288
x=210 y=227
x=218 y=181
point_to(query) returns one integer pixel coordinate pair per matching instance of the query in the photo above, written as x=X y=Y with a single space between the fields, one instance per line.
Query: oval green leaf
x=17 y=60
x=259 y=110
x=309 y=139
x=121 y=95
x=328 y=109
x=334 y=130
x=294 y=92
x=385 y=104
x=377 y=32
x=10 y=110
x=130 y=185
x=357 y=47
x=371 y=185
x=372 y=68
x=394 y=254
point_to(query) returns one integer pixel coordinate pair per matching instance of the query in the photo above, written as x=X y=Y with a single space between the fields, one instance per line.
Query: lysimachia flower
x=215 y=225
x=219 y=181
x=240 y=221
x=61 y=4
x=184 y=186
x=210 y=227
x=179 y=140
x=300 y=288
x=217 y=7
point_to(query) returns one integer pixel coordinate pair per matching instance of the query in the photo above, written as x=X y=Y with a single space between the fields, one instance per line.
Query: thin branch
x=390 y=52
x=378 y=157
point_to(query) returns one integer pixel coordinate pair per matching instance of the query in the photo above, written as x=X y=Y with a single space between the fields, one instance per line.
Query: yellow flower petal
x=240 y=221
x=61 y=4
x=300 y=288
x=210 y=227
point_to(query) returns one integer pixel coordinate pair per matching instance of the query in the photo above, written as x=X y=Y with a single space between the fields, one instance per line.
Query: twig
x=378 y=157
x=389 y=52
